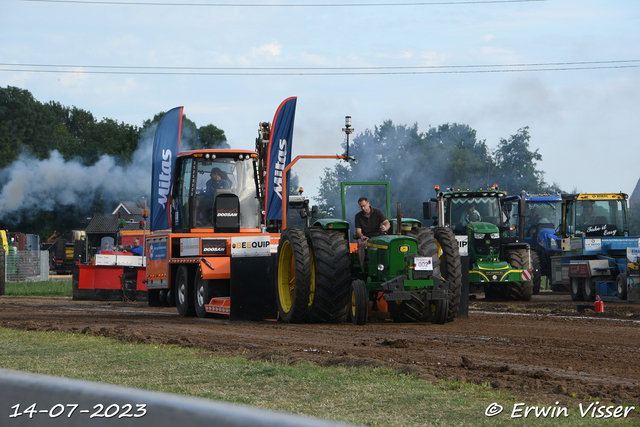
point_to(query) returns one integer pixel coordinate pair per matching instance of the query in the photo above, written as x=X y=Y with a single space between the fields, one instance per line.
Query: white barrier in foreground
x=35 y=400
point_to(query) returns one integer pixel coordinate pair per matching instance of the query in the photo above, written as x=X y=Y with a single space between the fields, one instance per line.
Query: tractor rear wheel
x=535 y=272
x=450 y=267
x=588 y=290
x=428 y=247
x=359 y=302
x=331 y=278
x=184 y=297
x=576 y=289
x=293 y=287
x=520 y=291
x=413 y=310
x=621 y=286
x=440 y=311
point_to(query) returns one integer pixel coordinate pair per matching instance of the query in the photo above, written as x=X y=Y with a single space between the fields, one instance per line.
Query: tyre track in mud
x=543 y=350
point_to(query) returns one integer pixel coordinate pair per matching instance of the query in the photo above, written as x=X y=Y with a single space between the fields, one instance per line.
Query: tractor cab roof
x=216 y=153
x=595 y=196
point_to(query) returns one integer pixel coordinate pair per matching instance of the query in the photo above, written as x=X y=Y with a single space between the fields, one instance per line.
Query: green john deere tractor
x=499 y=257
x=412 y=273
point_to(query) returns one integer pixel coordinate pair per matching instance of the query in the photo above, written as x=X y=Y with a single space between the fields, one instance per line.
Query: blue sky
x=583 y=120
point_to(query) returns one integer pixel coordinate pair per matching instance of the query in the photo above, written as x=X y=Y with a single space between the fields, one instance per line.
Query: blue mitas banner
x=279 y=157
x=166 y=146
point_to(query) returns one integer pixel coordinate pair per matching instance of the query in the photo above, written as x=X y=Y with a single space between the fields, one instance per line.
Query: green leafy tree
x=411 y=161
x=211 y=136
x=515 y=165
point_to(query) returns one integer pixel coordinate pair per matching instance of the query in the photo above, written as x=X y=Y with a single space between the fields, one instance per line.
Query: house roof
x=105 y=223
x=635 y=196
x=128 y=207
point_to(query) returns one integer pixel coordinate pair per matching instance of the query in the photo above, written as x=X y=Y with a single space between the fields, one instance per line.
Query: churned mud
x=545 y=350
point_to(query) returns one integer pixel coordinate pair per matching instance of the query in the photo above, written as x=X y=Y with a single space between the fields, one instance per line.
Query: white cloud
x=271 y=49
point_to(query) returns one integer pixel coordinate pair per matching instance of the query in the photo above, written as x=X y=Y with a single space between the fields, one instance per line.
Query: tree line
x=414 y=162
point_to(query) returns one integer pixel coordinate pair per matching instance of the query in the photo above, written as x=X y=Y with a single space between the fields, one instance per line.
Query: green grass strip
x=52 y=288
x=368 y=396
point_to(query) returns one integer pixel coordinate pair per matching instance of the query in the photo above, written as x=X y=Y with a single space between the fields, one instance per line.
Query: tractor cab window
x=542 y=214
x=224 y=176
x=601 y=217
x=462 y=211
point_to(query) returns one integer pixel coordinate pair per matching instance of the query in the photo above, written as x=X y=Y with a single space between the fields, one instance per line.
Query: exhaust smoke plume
x=37 y=185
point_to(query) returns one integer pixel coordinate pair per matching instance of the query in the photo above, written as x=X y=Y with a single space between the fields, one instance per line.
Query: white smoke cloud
x=44 y=184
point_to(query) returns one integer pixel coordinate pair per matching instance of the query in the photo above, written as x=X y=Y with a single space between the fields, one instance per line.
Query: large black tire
x=413 y=310
x=439 y=312
x=621 y=286
x=168 y=297
x=153 y=298
x=519 y=260
x=576 y=288
x=428 y=247
x=293 y=284
x=331 y=278
x=359 y=302
x=450 y=267
x=536 y=273
x=588 y=290
x=184 y=290
x=201 y=295
x=205 y=290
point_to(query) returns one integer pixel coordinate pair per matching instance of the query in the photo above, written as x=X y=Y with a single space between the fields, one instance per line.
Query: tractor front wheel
x=359 y=302
x=202 y=294
x=184 y=299
x=331 y=278
x=520 y=291
x=588 y=290
x=413 y=310
x=621 y=286
x=293 y=288
x=439 y=311
x=450 y=267
x=535 y=272
x=576 y=288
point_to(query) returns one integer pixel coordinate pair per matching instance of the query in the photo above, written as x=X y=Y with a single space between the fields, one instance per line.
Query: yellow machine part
x=601 y=196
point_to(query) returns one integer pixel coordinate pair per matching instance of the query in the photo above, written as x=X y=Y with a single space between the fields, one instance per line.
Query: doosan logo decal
x=214 y=246
x=226 y=213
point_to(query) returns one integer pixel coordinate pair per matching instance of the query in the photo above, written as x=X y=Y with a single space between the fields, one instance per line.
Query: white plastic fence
x=27 y=266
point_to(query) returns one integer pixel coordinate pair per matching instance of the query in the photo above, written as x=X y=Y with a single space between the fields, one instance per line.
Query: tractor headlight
x=495 y=235
x=380 y=267
x=553 y=245
x=478 y=235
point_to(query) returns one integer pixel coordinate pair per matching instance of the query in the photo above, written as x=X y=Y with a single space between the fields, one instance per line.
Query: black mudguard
x=253 y=293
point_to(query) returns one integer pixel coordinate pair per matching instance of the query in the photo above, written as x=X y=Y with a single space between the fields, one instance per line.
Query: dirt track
x=544 y=350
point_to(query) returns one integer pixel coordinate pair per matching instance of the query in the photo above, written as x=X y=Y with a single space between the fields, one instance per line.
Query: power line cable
x=440 y=3
x=318 y=73
x=418 y=67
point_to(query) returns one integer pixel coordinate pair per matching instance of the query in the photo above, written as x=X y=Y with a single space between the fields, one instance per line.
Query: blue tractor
x=544 y=213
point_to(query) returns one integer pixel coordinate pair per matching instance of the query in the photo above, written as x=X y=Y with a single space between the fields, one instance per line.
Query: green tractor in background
x=499 y=257
x=413 y=273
